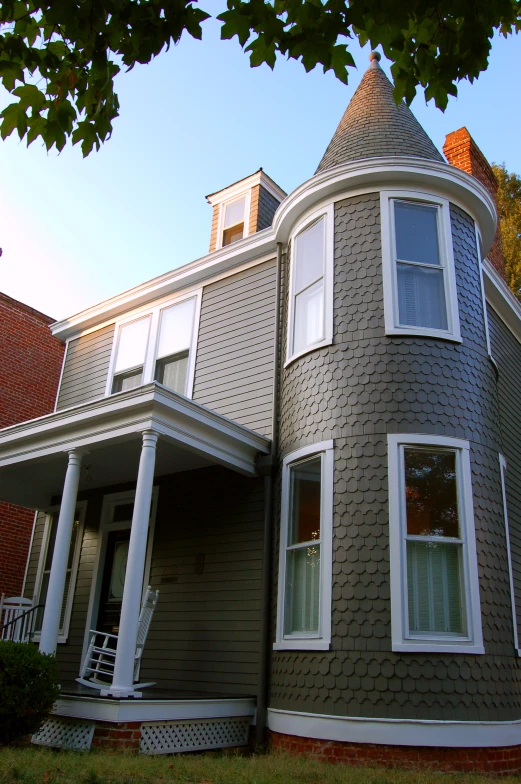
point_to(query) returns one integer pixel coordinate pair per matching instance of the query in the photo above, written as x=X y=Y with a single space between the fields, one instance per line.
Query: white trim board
x=365 y=176
x=144 y=709
x=502 y=300
x=396 y=732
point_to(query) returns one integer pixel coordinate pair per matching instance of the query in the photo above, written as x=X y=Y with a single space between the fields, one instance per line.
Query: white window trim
x=479 y=243
x=246 y=194
x=110 y=501
x=327 y=212
x=154 y=314
x=474 y=642
x=453 y=332
x=503 y=470
x=322 y=641
x=81 y=506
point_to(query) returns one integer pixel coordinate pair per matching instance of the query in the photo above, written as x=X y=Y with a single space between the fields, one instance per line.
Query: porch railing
x=20 y=628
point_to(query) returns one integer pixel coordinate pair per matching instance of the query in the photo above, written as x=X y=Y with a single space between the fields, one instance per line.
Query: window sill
x=302 y=644
x=308 y=350
x=424 y=333
x=431 y=646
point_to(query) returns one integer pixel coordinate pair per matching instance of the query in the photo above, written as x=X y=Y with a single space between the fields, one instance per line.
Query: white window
x=233 y=221
x=310 y=322
x=130 y=354
x=158 y=345
x=434 y=578
x=304 y=599
x=418 y=265
x=44 y=569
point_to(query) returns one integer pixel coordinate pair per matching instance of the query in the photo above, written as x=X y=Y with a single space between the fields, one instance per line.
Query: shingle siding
x=234 y=363
x=356 y=391
x=506 y=351
x=86 y=366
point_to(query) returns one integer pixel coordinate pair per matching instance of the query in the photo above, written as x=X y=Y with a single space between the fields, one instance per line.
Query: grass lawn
x=42 y=766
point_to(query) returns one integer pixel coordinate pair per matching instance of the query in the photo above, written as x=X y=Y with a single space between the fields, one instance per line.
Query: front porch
x=178 y=485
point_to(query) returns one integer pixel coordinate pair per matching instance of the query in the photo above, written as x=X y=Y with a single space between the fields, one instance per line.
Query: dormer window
x=233 y=222
x=243 y=208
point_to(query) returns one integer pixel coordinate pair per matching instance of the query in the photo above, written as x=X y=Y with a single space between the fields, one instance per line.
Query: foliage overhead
x=28 y=689
x=59 y=58
x=509 y=206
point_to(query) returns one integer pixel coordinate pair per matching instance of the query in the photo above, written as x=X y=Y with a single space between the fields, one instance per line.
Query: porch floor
x=74 y=689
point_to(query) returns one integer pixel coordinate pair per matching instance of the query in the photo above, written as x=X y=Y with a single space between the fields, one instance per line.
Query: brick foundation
x=502 y=761
x=117 y=737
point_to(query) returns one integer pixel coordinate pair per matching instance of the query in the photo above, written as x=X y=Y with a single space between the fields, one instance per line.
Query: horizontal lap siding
x=205 y=631
x=34 y=556
x=506 y=351
x=234 y=364
x=69 y=653
x=86 y=367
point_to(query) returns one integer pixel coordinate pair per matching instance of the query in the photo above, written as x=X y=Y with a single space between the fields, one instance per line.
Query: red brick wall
x=461 y=151
x=502 y=761
x=29 y=376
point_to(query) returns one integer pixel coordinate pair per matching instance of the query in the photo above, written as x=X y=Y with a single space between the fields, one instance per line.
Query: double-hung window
x=435 y=591
x=157 y=345
x=130 y=354
x=419 y=277
x=233 y=221
x=44 y=569
x=304 y=603
x=310 y=322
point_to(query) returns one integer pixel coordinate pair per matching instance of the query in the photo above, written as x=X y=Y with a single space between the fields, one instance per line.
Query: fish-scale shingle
x=373 y=126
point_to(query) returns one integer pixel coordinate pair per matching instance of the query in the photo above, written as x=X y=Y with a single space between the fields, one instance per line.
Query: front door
x=113 y=581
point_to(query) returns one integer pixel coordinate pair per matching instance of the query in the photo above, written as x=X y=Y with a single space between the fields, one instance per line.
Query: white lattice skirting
x=169 y=737
x=63 y=734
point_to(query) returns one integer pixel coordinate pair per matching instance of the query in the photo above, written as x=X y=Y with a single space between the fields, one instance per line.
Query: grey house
x=308 y=442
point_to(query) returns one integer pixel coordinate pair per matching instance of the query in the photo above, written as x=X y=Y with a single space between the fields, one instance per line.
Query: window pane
x=127 y=381
x=309 y=256
x=172 y=372
x=233 y=235
x=309 y=317
x=47 y=568
x=234 y=212
x=305 y=484
x=421 y=297
x=431 y=495
x=302 y=590
x=434 y=588
x=123 y=513
x=416 y=232
x=52 y=539
x=175 y=333
x=132 y=344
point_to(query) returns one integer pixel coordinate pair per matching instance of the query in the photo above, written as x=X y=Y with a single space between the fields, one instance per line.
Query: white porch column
x=54 y=600
x=123 y=682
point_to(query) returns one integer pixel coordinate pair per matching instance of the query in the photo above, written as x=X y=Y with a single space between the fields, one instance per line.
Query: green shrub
x=28 y=689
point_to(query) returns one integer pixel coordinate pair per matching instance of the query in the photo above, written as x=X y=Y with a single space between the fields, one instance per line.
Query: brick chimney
x=461 y=151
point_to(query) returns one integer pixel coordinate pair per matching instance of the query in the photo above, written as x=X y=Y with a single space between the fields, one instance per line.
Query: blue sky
x=198 y=118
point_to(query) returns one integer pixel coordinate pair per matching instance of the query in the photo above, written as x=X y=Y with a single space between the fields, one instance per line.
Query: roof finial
x=375 y=58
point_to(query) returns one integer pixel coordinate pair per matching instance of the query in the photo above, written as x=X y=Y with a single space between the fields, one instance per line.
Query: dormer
x=243 y=208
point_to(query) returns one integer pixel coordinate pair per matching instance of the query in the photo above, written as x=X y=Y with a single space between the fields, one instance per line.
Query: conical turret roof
x=373 y=126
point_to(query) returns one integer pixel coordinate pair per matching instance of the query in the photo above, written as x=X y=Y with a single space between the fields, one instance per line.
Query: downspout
x=267 y=468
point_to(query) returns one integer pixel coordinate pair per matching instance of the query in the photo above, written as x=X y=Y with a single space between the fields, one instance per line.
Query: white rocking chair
x=98 y=665
x=16 y=620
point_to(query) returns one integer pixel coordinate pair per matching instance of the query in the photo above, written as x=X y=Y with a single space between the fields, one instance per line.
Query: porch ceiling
x=33 y=455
